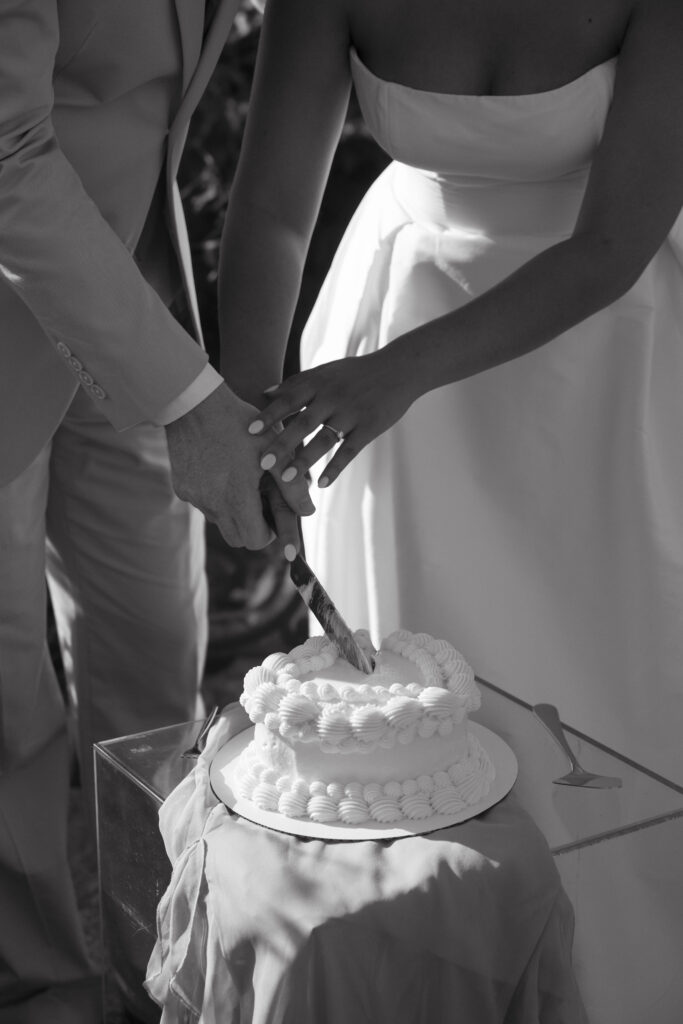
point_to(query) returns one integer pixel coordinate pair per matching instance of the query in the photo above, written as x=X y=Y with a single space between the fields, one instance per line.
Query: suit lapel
x=200 y=70
x=214 y=41
x=191 y=25
x=210 y=8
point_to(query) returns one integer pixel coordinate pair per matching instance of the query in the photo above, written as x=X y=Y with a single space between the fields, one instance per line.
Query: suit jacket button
x=74 y=363
x=63 y=349
x=97 y=392
x=85 y=378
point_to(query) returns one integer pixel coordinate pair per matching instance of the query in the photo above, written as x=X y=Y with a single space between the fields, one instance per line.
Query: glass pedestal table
x=618 y=852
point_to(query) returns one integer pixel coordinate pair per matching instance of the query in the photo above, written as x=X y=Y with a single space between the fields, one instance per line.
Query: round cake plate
x=222 y=778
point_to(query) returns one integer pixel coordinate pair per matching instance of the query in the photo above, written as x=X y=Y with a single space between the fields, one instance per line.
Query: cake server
x=320 y=604
x=198 y=746
x=548 y=715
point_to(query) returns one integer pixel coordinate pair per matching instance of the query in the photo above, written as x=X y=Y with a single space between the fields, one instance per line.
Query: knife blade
x=319 y=602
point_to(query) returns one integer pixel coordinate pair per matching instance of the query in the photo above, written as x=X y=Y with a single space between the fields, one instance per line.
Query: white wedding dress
x=532 y=515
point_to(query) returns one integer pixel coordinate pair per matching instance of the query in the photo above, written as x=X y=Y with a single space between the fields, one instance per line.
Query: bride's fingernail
x=290 y=552
x=289 y=474
x=268 y=461
x=273 y=387
x=323 y=481
x=256 y=427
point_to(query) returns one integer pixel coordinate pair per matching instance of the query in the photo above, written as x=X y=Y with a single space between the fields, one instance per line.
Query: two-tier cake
x=331 y=744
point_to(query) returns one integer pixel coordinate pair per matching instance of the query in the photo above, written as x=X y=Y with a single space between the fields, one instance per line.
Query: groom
x=109 y=415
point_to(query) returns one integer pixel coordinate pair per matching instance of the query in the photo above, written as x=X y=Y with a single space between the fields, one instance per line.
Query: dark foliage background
x=254 y=609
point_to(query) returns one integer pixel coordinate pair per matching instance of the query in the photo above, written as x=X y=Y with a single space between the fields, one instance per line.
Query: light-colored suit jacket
x=95 y=102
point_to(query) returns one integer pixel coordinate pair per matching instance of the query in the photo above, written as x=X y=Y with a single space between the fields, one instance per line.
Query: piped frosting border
x=361 y=717
x=464 y=784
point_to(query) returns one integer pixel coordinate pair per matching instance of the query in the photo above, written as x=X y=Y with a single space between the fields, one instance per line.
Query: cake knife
x=321 y=605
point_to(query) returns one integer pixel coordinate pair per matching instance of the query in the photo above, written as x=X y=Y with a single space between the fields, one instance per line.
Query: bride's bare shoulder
x=653 y=40
x=661 y=16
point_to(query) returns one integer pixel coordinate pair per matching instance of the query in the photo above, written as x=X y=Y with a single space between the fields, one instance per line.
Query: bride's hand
x=348 y=402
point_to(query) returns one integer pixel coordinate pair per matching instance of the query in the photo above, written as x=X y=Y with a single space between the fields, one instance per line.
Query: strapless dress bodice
x=528 y=137
x=489 y=164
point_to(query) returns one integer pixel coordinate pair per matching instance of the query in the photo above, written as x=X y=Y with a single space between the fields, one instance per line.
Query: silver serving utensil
x=548 y=715
x=198 y=746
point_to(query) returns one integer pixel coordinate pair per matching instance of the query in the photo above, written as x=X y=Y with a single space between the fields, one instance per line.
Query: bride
x=495 y=361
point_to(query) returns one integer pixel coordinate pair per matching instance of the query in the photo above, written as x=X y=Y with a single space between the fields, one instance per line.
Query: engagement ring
x=339 y=434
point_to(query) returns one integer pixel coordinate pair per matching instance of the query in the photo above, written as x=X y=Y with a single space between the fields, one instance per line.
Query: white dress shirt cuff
x=200 y=388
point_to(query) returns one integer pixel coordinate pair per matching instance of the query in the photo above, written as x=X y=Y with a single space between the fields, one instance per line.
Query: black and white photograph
x=341 y=512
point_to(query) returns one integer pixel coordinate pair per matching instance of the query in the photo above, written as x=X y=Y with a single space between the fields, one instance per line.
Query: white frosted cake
x=332 y=744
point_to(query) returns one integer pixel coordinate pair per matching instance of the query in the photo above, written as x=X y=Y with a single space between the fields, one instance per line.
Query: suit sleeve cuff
x=200 y=388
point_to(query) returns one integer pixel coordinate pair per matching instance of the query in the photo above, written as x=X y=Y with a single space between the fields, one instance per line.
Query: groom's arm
x=82 y=285
x=58 y=252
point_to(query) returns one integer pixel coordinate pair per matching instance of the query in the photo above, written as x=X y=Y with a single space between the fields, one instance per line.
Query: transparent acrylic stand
x=618 y=853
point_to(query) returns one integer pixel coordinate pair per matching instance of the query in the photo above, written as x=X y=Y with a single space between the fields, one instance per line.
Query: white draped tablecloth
x=468 y=924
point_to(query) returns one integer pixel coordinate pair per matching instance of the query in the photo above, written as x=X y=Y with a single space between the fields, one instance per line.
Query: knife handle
x=549 y=716
x=267 y=485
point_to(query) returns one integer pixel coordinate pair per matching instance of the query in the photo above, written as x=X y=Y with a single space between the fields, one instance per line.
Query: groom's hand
x=215 y=466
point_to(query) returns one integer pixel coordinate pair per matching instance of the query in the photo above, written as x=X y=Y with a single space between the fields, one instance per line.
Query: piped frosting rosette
x=365 y=714
x=445 y=792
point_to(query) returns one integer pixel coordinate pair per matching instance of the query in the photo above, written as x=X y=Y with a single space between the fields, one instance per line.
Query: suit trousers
x=94 y=514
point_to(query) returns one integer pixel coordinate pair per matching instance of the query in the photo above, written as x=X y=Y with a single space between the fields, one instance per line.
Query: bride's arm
x=298 y=104
x=634 y=194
